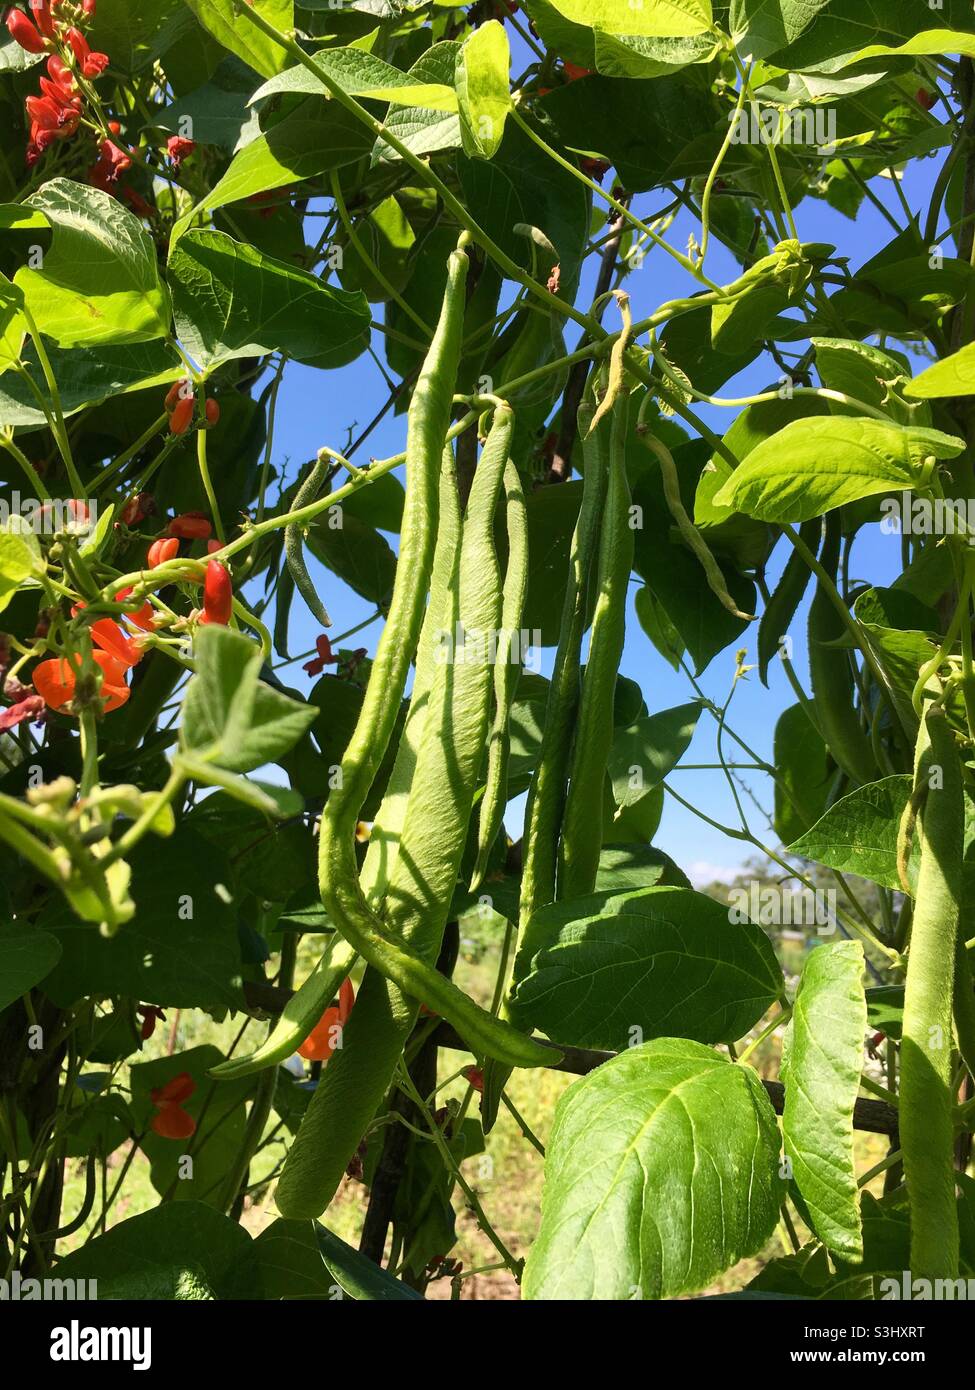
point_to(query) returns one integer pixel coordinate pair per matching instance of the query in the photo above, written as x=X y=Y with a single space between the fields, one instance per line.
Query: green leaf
x=932 y=43
x=760 y=27
x=483 y=89
x=858 y=834
x=867 y=374
x=357 y=553
x=671 y=572
x=13 y=325
x=359 y=74
x=421 y=130
x=885 y=1009
x=766 y=289
x=99 y=281
x=661 y=1172
x=813 y=466
x=180 y=948
x=358 y=1276
x=86 y=376
x=26 y=957
x=648 y=131
x=291 y=1263
x=652 y=18
x=176 y=1250
x=821 y=1072
x=230 y=717
x=658 y=627
x=220 y=18
x=661 y=962
x=952 y=376
x=315 y=137
x=623 y=867
x=20 y=557
x=647 y=752
x=231 y=301
x=130 y=32
x=220 y=1114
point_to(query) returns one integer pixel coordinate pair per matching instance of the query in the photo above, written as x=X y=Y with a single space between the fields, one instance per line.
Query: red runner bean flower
x=150 y=1015
x=190 y=526
x=32 y=707
x=172 y=1121
x=179 y=148
x=323 y=1038
x=23 y=32
x=161 y=551
x=55 y=681
x=218 y=594
x=325 y=657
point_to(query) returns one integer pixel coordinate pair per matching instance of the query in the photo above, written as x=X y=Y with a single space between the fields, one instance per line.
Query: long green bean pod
x=423 y=875
x=830 y=673
x=507 y=669
x=339 y=884
x=294 y=540
x=387 y=829
x=546 y=795
x=785 y=600
x=581 y=824
x=354 y=1082
x=926 y=1099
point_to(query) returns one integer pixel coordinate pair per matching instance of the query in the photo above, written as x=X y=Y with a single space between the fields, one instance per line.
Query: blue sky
x=316 y=408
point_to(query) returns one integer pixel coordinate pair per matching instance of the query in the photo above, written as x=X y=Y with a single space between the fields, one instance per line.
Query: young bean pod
x=784 y=602
x=831 y=676
x=294 y=542
x=581 y=824
x=299 y=1016
x=546 y=795
x=507 y=670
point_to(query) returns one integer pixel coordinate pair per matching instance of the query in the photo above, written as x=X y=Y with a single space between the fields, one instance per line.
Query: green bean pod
x=507 y=670
x=299 y=1016
x=926 y=1093
x=384 y=838
x=832 y=679
x=422 y=876
x=294 y=541
x=546 y=795
x=582 y=821
x=784 y=602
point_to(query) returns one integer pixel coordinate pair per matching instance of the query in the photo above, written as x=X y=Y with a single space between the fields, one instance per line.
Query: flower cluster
x=116 y=652
x=52 y=28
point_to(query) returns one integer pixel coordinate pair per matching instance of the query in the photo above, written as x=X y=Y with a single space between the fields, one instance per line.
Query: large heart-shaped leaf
x=99 y=282
x=232 y=301
x=662 y=1171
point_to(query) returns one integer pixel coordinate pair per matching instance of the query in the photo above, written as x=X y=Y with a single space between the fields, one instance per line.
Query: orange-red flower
x=172 y=1121
x=110 y=638
x=325 y=657
x=162 y=551
x=55 y=680
x=323 y=1038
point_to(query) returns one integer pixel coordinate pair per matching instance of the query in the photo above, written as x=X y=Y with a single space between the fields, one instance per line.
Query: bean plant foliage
x=477 y=205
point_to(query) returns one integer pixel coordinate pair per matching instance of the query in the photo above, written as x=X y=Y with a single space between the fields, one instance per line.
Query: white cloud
x=701 y=873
